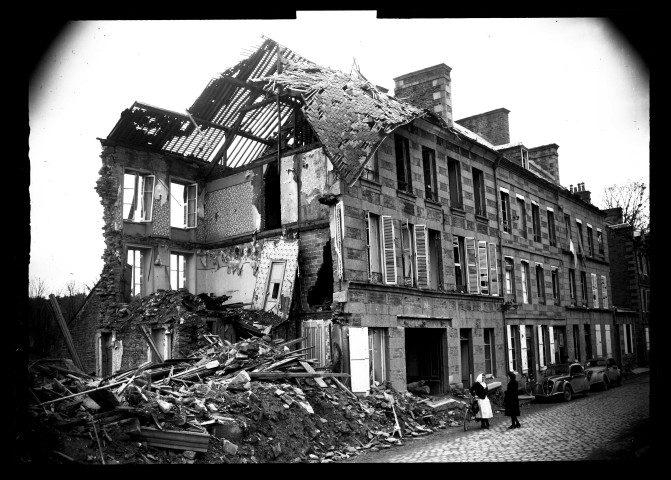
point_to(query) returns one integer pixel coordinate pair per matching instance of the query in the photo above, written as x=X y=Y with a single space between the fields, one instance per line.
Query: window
x=454 y=178
x=274 y=287
x=472 y=259
x=493 y=270
x=599 y=240
x=377 y=350
x=588 y=341
x=479 y=192
x=389 y=250
x=522 y=213
x=483 y=267
x=435 y=259
x=373 y=243
x=177 y=271
x=576 y=342
x=540 y=283
x=459 y=255
x=536 y=221
x=526 y=283
x=488 y=337
x=505 y=211
x=138 y=262
x=403 y=174
x=407 y=254
x=645 y=300
x=583 y=288
x=525 y=157
x=551 y=228
x=590 y=240
x=510 y=278
x=555 y=285
x=628 y=338
x=581 y=248
x=513 y=346
x=595 y=292
x=430 y=179
x=567 y=222
x=604 y=292
x=372 y=170
x=136 y=185
x=571 y=286
x=421 y=242
x=183 y=213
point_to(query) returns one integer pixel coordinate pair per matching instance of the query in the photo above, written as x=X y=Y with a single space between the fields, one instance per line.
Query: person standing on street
x=479 y=389
x=512 y=401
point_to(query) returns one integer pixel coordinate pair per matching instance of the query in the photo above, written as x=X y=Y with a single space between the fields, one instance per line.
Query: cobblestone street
x=550 y=432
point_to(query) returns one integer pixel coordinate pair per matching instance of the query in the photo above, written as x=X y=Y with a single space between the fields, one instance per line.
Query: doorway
x=274 y=285
x=425 y=357
x=465 y=341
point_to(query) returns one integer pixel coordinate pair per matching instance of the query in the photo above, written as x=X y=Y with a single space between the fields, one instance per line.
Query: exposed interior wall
x=229 y=271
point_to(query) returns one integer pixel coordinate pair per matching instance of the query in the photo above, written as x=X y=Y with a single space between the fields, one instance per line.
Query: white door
x=274 y=285
x=358 y=359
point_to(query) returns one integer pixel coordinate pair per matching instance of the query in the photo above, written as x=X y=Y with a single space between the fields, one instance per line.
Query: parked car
x=603 y=372
x=562 y=380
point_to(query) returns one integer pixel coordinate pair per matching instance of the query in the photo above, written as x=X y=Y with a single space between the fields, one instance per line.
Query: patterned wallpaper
x=228 y=211
x=279 y=249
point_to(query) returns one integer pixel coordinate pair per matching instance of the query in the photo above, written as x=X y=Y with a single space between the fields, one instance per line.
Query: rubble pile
x=254 y=401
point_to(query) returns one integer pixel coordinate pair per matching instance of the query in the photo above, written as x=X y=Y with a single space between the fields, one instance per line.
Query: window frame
x=374 y=241
x=459 y=260
x=573 y=294
x=599 y=240
x=522 y=214
x=604 y=292
x=540 y=283
x=583 y=287
x=595 y=291
x=509 y=263
x=454 y=183
x=142 y=196
x=176 y=256
x=479 y=196
x=536 y=221
x=526 y=282
x=556 y=294
x=429 y=166
x=506 y=219
x=403 y=163
x=590 y=240
x=552 y=233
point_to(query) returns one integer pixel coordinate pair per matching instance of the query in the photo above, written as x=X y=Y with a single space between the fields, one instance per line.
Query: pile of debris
x=254 y=401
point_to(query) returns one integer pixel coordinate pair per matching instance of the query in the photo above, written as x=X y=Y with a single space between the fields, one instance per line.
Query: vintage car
x=603 y=372
x=562 y=380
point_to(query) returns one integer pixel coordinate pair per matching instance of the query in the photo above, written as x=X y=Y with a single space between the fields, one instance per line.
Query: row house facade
x=404 y=245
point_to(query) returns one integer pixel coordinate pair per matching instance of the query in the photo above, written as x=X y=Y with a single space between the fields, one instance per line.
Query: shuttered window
x=598 y=340
x=541 y=347
x=191 y=206
x=483 y=267
x=389 y=250
x=526 y=287
x=473 y=277
x=551 y=336
x=493 y=270
x=523 y=349
x=511 y=348
x=608 y=347
x=595 y=292
x=604 y=292
x=422 y=256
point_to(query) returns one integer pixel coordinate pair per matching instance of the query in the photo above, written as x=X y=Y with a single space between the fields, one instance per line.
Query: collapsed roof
x=254 y=109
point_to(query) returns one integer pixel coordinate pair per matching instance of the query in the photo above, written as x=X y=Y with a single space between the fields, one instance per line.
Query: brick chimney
x=614 y=216
x=581 y=193
x=429 y=88
x=546 y=159
x=493 y=125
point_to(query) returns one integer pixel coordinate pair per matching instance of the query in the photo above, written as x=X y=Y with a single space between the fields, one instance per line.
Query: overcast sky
x=570 y=81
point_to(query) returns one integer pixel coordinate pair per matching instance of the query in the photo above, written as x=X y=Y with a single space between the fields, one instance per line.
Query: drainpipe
x=498 y=219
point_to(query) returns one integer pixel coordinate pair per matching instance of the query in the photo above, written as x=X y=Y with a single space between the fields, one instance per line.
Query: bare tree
x=634 y=200
x=37 y=288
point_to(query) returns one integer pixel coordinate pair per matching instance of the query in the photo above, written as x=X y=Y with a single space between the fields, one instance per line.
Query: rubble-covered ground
x=254 y=401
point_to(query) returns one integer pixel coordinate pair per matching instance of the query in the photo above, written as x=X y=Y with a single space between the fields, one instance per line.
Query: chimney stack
x=584 y=195
x=493 y=126
x=429 y=88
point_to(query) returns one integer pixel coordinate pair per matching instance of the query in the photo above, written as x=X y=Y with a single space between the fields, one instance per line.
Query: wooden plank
x=341 y=385
x=178 y=440
x=291 y=342
x=147 y=337
x=65 y=331
x=275 y=375
x=308 y=368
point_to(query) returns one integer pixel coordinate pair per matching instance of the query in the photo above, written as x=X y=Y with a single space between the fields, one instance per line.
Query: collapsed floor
x=254 y=401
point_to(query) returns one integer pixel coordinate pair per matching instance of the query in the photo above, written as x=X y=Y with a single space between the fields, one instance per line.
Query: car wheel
x=605 y=384
x=568 y=394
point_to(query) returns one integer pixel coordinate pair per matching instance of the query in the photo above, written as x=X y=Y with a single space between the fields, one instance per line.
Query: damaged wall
x=229 y=271
x=280 y=250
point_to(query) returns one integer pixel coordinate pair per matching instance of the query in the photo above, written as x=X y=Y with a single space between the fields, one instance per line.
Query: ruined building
x=405 y=245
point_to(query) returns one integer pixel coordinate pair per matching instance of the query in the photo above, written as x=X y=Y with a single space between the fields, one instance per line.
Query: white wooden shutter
x=483 y=267
x=595 y=292
x=471 y=260
x=541 y=347
x=422 y=256
x=510 y=348
x=389 y=250
x=551 y=334
x=526 y=294
x=338 y=225
x=191 y=206
x=598 y=340
x=493 y=270
x=523 y=348
x=358 y=359
x=604 y=292
x=607 y=332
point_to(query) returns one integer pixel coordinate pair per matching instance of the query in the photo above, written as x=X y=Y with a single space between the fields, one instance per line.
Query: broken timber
x=178 y=440
x=150 y=341
x=276 y=375
x=308 y=368
x=64 y=329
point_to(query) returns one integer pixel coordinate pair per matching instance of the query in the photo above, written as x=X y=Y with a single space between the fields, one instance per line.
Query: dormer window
x=525 y=157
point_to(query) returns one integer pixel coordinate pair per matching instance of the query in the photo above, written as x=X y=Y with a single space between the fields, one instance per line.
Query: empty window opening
x=567 y=223
x=505 y=212
x=430 y=179
x=138 y=197
x=510 y=279
x=590 y=241
x=136 y=273
x=536 y=222
x=436 y=280
x=551 y=228
x=454 y=178
x=377 y=355
x=526 y=283
x=555 y=285
x=540 y=284
x=424 y=357
x=321 y=293
x=177 y=271
x=583 y=288
x=576 y=343
x=372 y=169
x=273 y=205
x=403 y=172
x=479 y=192
x=466 y=348
x=459 y=256
x=571 y=286
x=105 y=354
x=408 y=249
x=490 y=359
x=273 y=291
x=522 y=221
x=374 y=246
x=588 y=341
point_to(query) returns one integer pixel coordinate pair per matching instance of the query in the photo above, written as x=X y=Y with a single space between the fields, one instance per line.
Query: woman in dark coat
x=512 y=401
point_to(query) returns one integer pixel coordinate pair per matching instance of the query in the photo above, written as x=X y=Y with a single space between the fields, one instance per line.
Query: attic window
x=525 y=157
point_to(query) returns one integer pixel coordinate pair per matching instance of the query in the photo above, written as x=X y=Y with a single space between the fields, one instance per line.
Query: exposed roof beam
x=242 y=133
x=269 y=101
